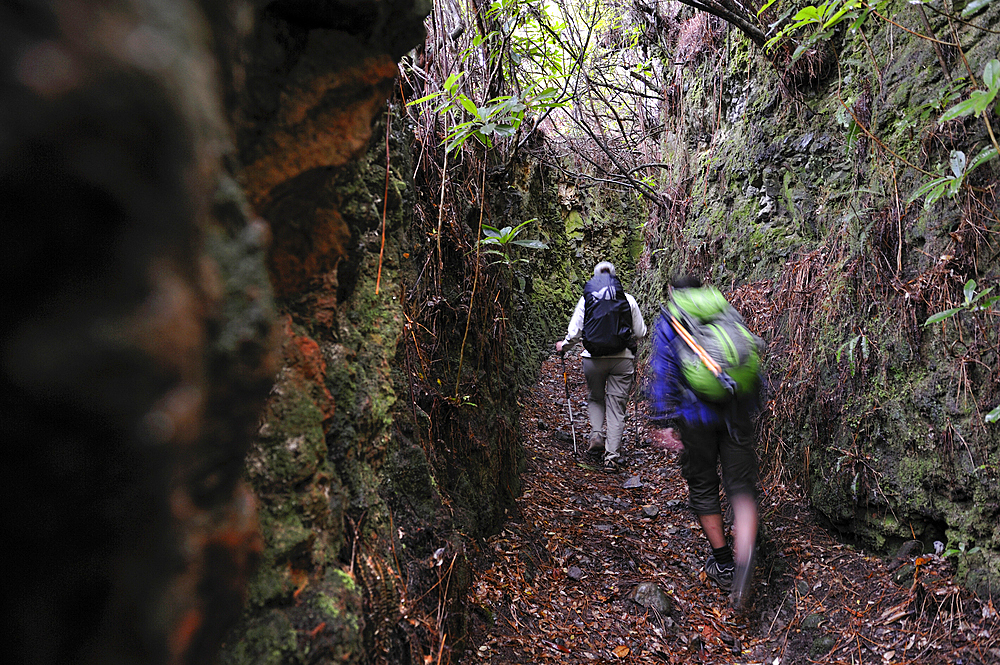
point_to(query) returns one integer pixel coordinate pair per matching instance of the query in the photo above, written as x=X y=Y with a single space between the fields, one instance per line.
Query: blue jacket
x=669 y=396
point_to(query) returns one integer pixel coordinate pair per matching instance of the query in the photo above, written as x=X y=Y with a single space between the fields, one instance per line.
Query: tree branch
x=735 y=15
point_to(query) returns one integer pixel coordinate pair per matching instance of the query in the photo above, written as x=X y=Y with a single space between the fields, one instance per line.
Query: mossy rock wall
x=389 y=447
x=807 y=225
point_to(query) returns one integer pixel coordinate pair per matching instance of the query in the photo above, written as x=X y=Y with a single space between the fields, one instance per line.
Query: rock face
x=143 y=145
x=811 y=226
x=137 y=337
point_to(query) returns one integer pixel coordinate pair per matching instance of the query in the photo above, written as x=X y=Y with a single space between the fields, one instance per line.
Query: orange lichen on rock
x=303 y=354
x=325 y=125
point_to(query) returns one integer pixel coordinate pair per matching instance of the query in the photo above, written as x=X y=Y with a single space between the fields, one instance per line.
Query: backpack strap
x=712 y=366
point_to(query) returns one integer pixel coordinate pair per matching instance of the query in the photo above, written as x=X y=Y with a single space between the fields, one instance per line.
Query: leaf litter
x=559 y=583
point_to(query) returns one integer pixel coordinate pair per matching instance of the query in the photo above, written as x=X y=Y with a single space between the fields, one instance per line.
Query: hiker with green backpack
x=706 y=381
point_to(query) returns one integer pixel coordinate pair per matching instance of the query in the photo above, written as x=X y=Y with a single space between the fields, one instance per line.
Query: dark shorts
x=705 y=447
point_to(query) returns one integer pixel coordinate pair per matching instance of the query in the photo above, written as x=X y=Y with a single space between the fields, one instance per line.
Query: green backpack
x=715 y=326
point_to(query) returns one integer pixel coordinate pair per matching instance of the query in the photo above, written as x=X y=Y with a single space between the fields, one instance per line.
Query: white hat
x=604 y=266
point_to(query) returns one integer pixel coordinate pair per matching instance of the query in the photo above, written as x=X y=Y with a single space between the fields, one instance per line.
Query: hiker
x=608 y=322
x=714 y=419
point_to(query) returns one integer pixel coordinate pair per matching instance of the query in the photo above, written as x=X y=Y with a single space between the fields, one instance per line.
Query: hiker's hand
x=666 y=439
x=559 y=346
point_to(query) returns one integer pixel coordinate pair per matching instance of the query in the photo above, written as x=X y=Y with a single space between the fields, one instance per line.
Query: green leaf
x=958 y=110
x=425 y=98
x=799 y=50
x=935 y=194
x=840 y=15
x=973 y=7
x=991 y=74
x=925 y=188
x=954 y=186
x=957 y=160
x=982 y=294
x=533 y=244
x=469 y=105
x=941 y=316
x=969 y=290
x=986 y=155
x=859 y=20
x=981 y=100
x=853 y=131
x=457 y=139
x=808 y=14
x=993 y=416
x=766 y=5
x=452 y=81
x=779 y=21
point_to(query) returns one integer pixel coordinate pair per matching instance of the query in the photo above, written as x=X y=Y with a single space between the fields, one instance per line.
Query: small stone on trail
x=904 y=576
x=650 y=596
x=650 y=510
x=604 y=528
x=574 y=573
x=821 y=645
x=906 y=551
x=632 y=483
x=812 y=621
x=542 y=424
x=562 y=436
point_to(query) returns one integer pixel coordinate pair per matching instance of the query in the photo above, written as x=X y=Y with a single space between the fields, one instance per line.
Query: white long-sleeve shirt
x=574 y=333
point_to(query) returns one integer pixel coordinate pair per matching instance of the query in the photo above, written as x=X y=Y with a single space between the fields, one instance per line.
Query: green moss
x=291 y=445
x=267 y=640
x=574 y=225
x=339 y=604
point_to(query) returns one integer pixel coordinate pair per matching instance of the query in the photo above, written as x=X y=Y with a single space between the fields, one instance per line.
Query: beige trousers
x=609 y=381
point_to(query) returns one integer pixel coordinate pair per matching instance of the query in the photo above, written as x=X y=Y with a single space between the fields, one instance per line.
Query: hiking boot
x=741 y=578
x=611 y=466
x=720 y=574
x=596 y=444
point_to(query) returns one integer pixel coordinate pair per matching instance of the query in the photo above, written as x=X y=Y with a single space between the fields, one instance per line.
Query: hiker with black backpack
x=706 y=380
x=608 y=322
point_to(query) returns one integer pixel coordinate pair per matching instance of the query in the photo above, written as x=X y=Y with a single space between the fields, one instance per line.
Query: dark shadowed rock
x=137 y=342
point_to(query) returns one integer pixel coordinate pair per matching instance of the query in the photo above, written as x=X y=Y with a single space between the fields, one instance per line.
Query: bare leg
x=744 y=527
x=714 y=529
x=745 y=535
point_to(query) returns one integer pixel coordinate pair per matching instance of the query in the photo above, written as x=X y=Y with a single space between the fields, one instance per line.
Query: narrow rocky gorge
x=264 y=385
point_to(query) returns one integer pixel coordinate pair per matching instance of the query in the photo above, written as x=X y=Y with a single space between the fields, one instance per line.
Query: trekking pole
x=569 y=402
x=635 y=401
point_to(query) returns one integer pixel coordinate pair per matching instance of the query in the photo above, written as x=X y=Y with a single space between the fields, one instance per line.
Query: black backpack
x=607 y=316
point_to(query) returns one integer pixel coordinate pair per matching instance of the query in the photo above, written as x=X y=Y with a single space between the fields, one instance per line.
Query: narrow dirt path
x=559 y=583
